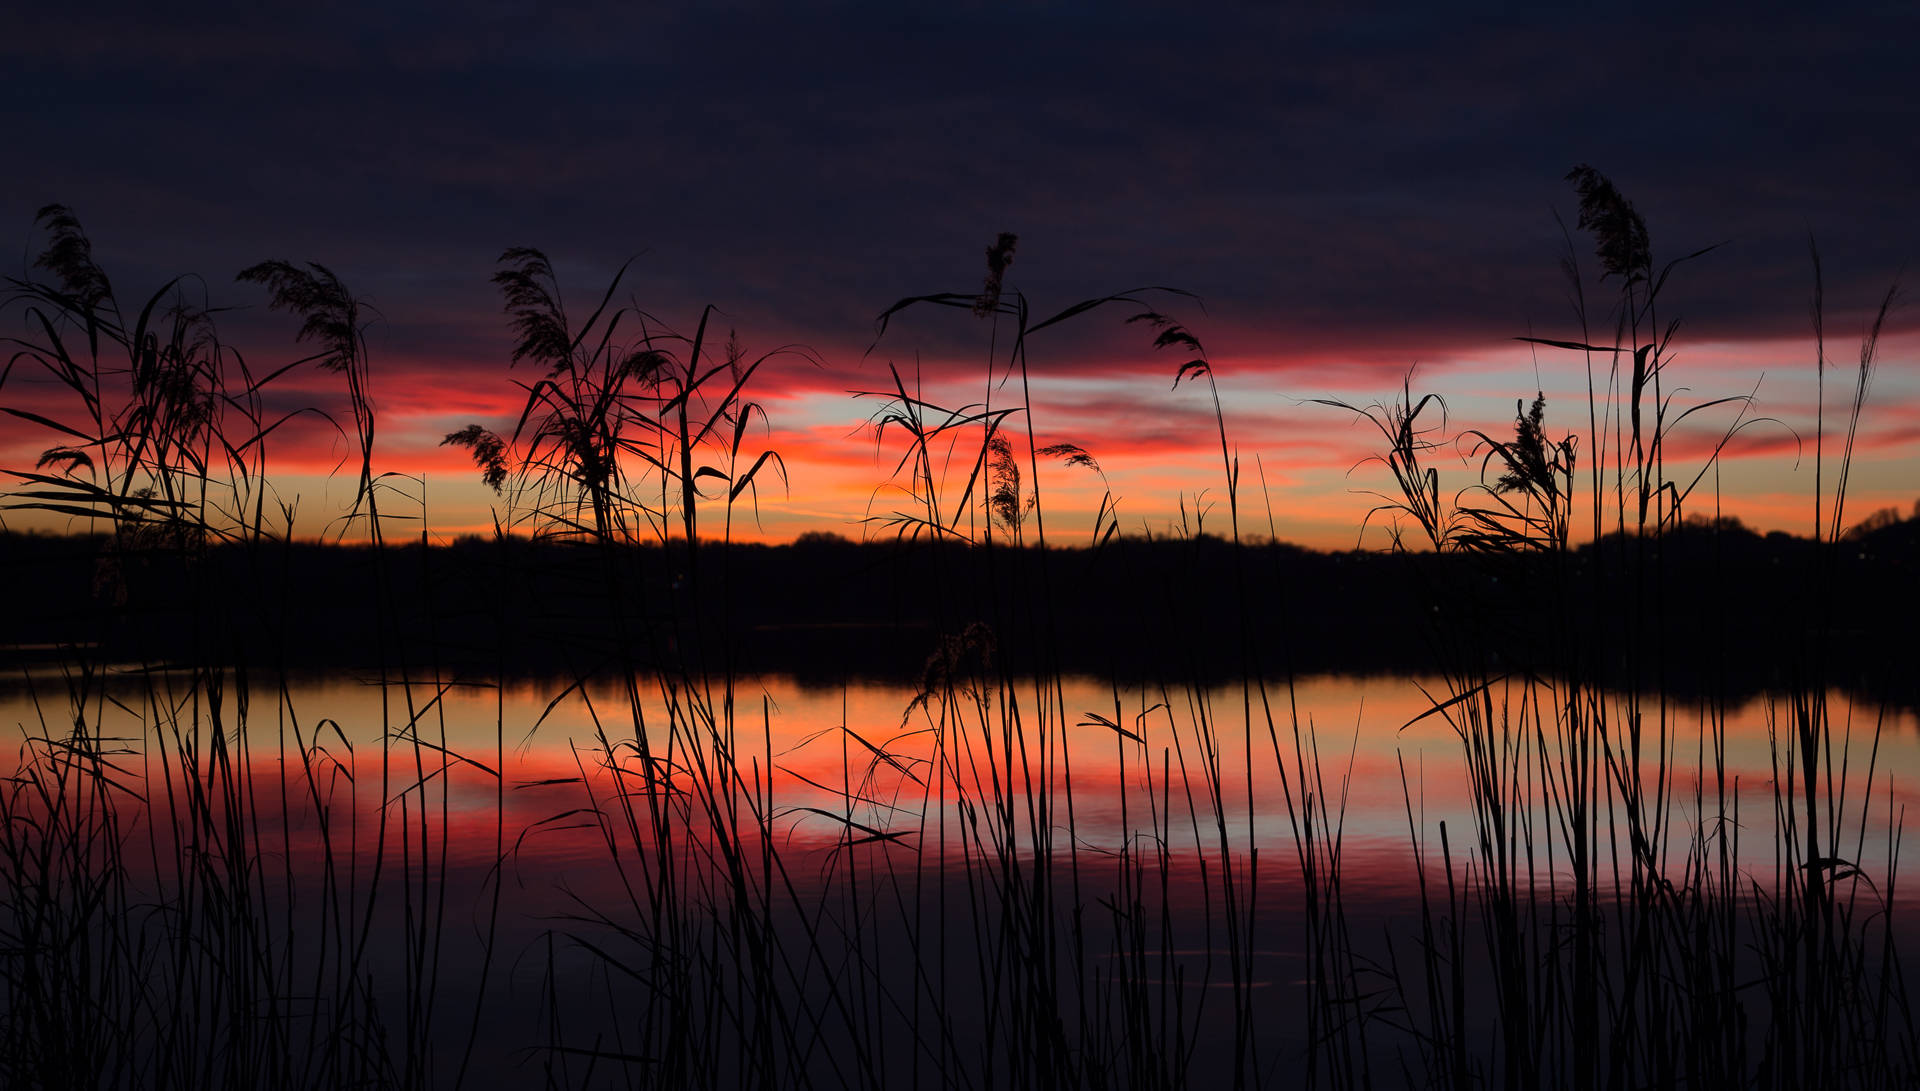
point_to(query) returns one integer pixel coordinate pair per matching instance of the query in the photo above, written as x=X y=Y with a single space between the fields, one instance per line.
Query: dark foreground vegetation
x=241 y=892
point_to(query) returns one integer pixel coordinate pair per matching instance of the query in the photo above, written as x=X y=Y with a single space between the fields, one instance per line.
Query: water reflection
x=864 y=749
x=1126 y=858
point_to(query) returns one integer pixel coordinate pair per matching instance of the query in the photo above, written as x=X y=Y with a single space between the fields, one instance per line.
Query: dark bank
x=825 y=609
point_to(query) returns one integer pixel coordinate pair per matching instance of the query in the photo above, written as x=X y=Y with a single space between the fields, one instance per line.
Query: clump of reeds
x=946 y=914
x=190 y=899
x=1629 y=925
x=945 y=922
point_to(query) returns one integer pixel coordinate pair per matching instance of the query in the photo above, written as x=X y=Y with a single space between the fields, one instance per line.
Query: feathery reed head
x=69 y=256
x=1005 y=501
x=999 y=256
x=1530 y=455
x=317 y=295
x=1619 y=234
x=955 y=656
x=489 y=453
x=537 y=316
x=645 y=365
x=1072 y=453
x=1173 y=333
x=69 y=458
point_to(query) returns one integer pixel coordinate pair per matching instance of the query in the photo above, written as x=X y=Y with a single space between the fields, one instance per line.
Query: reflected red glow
x=831 y=767
x=1152 y=835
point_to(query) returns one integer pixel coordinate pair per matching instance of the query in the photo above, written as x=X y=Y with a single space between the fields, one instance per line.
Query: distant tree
x=1879 y=520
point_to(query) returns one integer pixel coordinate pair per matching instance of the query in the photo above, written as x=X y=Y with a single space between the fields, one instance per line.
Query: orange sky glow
x=1306 y=469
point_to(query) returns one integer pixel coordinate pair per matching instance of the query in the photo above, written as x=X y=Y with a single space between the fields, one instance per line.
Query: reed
x=1610 y=898
x=945 y=922
x=162 y=924
x=238 y=896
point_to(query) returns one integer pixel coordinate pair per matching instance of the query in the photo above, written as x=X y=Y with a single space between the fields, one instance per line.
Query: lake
x=543 y=880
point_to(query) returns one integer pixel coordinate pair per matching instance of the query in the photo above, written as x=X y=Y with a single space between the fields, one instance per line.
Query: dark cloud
x=1384 y=177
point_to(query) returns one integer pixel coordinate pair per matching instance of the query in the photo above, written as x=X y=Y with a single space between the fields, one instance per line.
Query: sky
x=1352 y=196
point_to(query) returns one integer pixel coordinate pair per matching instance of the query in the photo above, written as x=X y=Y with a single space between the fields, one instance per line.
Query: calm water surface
x=517 y=793
x=816 y=748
